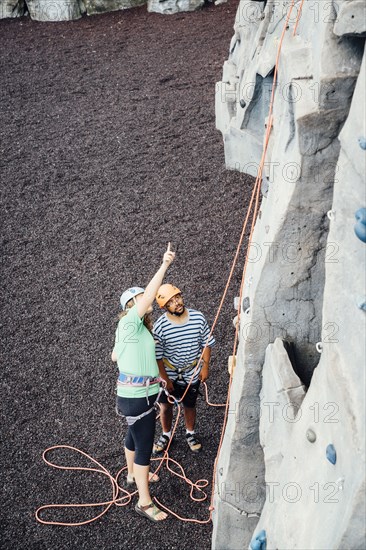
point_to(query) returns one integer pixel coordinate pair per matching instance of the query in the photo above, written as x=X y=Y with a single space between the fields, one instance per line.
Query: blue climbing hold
x=331 y=454
x=360 y=215
x=360 y=227
x=259 y=542
x=362 y=142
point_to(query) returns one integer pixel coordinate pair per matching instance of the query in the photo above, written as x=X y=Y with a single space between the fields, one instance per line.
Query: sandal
x=153 y=478
x=194 y=443
x=142 y=511
x=161 y=444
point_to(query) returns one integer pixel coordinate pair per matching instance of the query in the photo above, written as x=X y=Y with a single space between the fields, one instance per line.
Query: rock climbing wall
x=62 y=10
x=12 y=8
x=50 y=10
x=43 y=10
x=167 y=7
x=100 y=6
x=66 y=10
x=287 y=474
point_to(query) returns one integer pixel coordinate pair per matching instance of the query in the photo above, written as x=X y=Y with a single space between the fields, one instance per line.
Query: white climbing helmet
x=129 y=294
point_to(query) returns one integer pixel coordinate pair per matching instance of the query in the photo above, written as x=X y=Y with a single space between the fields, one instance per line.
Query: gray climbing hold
x=242 y=103
x=311 y=436
x=360 y=227
x=264 y=186
x=246 y=303
x=362 y=142
x=259 y=542
x=331 y=454
x=340 y=483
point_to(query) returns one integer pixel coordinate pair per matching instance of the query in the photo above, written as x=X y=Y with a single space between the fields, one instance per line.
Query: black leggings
x=140 y=436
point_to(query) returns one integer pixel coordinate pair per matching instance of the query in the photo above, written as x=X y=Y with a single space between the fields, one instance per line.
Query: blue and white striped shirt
x=182 y=344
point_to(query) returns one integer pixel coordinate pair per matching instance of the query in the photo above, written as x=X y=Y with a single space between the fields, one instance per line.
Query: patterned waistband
x=139 y=381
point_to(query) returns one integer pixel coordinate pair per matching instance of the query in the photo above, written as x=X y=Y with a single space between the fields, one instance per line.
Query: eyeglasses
x=174 y=299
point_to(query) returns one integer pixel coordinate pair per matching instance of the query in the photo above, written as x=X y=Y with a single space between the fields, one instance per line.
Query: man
x=180 y=335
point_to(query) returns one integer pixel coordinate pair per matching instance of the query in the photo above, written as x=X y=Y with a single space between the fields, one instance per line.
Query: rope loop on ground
x=100 y=470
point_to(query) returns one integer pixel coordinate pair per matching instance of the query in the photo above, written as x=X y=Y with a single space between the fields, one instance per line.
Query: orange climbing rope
x=298 y=17
x=255 y=194
x=199 y=485
x=99 y=470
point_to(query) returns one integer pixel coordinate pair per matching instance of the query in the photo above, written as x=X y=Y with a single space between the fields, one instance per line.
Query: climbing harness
x=141 y=381
x=131 y=380
x=180 y=370
x=132 y=419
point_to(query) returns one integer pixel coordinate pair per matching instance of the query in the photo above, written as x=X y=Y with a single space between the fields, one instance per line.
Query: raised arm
x=147 y=298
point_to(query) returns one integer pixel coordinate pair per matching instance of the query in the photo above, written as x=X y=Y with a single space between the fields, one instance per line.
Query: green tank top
x=135 y=350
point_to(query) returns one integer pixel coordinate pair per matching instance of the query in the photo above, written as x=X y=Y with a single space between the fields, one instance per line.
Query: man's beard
x=178 y=313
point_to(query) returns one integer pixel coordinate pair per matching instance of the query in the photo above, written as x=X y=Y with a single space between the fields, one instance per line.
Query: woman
x=138 y=384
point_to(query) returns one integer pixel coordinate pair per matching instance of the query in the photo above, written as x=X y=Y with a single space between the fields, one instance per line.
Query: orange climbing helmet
x=166 y=292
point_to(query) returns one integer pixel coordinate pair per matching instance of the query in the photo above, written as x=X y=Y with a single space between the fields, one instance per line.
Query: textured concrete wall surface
x=298 y=390
x=100 y=6
x=65 y=10
x=167 y=7
x=12 y=8
x=62 y=10
x=43 y=10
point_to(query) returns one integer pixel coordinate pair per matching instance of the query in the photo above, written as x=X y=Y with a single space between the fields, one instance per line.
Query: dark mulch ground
x=108 y=150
